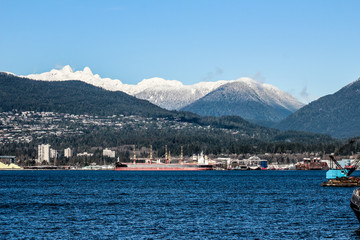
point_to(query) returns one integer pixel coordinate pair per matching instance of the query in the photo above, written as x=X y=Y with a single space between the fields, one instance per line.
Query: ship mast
x=134 y=154
x=151 y=157
x=166 y=156
x=182 y=155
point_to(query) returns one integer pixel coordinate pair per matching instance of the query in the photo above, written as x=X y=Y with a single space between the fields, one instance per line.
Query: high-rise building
x=68 y=152
x=108 y=153
x=43 y=153
x=53 y=153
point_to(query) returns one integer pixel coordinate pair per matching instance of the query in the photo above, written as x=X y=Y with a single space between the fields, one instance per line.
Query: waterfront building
x=43 y=153
x=68 y=152
x=108 y=153
x=53 y=153
x=85 y=154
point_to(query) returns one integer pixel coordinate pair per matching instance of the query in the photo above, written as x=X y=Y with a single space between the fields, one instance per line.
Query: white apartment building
x=68 y=152
x=43 y=153
x=108 y=153
x=53 y=153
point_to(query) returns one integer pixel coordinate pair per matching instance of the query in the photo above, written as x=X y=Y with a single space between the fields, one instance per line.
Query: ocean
x=173 y=205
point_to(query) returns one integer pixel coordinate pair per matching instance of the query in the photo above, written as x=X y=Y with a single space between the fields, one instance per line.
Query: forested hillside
x=337 y=114
x=147 y=124
x=70 y=97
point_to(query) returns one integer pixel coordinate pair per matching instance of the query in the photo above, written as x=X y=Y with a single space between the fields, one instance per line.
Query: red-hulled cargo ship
x=162 y=167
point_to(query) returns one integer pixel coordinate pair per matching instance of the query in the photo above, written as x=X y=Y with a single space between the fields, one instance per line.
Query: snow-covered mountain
x=246 y=98
x=169 y=94
x=172 y=94
x=66 y=74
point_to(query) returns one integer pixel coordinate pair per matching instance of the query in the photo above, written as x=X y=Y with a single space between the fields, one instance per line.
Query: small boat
x=242 y=167
x=355 y=202
x=254 y=168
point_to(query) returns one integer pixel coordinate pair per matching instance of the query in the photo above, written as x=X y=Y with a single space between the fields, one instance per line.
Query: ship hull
x=163 y=167
x=355 y=203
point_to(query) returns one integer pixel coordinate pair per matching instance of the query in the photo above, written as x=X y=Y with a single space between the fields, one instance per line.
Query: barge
x=342 y=182
x=339 y=176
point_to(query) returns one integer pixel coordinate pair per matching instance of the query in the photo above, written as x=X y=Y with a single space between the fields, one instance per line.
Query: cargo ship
x=202 y=164
x=162 y=167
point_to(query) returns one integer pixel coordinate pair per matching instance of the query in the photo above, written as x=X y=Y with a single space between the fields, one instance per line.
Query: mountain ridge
x=335 y=114
x=168 y=94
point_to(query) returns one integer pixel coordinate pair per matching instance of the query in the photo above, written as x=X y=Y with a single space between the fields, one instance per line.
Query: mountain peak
x=87 y=71
x=246 y=80
x=247 y=98
x=159 y=82
x=67 y=69
x=352 y=83
x=86 y=75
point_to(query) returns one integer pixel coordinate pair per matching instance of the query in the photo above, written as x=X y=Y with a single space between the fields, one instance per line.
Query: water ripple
x=173 y=205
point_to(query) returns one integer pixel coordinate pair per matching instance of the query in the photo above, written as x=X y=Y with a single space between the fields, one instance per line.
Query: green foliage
x=211 y=141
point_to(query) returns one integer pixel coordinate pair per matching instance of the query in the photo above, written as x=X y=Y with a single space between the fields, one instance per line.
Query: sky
x=306 y=48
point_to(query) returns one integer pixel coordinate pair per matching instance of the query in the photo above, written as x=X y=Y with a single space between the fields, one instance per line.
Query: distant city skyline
x=306 y=48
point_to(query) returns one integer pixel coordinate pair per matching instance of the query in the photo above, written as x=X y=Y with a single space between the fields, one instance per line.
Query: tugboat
x=355 y=203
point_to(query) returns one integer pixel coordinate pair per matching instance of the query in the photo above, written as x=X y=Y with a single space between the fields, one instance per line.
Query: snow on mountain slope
x=169 y=94
x=66 y=74
x=246 y=98
x=173 y=94
x=262 y=92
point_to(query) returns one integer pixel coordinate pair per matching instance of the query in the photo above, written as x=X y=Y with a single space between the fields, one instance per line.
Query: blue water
x=173 y=205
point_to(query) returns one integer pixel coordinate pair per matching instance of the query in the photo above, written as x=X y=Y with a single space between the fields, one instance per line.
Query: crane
x=340 y=171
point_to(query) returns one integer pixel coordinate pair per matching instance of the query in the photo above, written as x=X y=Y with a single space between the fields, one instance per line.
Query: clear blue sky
x=306 y=48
